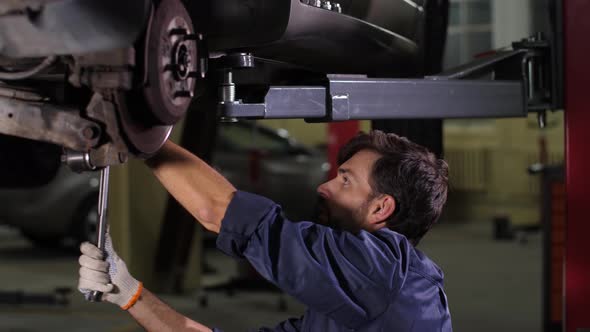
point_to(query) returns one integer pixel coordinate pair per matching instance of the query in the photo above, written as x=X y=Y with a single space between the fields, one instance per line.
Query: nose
x=324 y=190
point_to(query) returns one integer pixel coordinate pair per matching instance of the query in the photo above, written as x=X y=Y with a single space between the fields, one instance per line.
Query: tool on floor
x=103 y=195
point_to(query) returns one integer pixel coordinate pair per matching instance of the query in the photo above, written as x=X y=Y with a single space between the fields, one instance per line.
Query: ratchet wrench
x=103 y=195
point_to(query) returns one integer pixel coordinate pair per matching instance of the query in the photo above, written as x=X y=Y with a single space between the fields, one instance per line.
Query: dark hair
x=414 y=176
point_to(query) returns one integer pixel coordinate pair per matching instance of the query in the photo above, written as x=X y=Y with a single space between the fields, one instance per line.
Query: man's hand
x=110 y=277
x=113 y=279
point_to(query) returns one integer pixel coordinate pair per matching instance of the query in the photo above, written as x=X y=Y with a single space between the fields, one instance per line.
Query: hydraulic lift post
x=577 y=117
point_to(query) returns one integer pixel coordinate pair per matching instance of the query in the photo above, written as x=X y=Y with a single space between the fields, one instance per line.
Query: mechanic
x=356 y=270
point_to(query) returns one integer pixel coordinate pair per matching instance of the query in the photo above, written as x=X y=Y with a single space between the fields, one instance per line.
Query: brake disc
x=170 y=74
x=145 y=139
x=172 y=62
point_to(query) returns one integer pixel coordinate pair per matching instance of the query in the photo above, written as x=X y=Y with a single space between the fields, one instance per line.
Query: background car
x=268 y=162
x=63 y=210
x=253 y=157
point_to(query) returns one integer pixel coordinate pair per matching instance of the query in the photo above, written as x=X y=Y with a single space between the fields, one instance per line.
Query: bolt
x=316 y=3
x=89 y=132
x=336 y=7
x=228 y=93
x=203 y=64
x=228 y=88
x=228 y=77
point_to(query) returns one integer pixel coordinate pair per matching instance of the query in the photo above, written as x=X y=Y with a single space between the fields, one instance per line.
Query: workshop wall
x=489 y=157
x=488 y=162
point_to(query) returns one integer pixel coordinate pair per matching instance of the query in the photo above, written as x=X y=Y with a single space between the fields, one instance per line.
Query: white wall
x=511 y=20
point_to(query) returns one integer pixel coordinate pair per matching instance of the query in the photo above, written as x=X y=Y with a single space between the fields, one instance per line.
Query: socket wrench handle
x=103 y=197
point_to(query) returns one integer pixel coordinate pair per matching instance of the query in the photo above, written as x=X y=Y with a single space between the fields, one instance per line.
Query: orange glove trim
x=135 y=297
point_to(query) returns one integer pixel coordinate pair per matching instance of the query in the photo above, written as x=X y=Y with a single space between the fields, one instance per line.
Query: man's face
x=345 y=200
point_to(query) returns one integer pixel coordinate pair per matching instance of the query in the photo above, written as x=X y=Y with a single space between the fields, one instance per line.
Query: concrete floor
x=491 y=286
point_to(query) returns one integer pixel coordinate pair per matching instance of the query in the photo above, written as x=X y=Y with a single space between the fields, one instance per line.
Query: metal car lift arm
x=505 y=84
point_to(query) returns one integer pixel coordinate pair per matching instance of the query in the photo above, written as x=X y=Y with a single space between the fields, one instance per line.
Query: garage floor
x=491 y=286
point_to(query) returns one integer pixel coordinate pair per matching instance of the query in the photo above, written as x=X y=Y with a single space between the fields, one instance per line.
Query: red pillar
x=577 y=122
x=338 y=134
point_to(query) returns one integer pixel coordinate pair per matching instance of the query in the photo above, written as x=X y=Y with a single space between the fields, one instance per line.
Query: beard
x=341 y=217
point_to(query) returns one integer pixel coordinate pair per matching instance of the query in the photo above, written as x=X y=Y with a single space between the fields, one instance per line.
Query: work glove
x=108 y=275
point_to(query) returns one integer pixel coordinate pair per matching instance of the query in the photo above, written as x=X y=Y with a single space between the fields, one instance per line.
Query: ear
x=381 y=210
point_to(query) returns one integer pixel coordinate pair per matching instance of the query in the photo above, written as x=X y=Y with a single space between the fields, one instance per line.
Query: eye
x=345 y=180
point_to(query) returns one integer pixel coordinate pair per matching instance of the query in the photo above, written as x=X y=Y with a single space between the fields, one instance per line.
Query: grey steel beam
x=359 y=98
x=369 y=99
x=281 y=103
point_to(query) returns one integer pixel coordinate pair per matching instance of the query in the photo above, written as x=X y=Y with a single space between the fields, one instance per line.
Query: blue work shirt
x=349 y=282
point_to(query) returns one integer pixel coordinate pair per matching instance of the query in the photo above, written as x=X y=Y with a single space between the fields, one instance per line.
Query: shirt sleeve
x=350 y=278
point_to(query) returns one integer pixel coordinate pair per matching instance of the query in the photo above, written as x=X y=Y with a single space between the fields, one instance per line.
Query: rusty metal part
x=20 y=94
x=107 y=80
x=123 y=114
x=120 y=57
x=104 y=70
x=44 y=122
x=172 y=63
x=106 y=155
x=21 y=75
x=19 y=62
x=115 y=150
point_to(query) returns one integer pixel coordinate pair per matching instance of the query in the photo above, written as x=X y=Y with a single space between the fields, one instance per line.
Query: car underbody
x=106 y=80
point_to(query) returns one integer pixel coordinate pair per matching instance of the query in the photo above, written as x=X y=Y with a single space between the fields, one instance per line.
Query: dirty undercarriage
x=108 y=79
